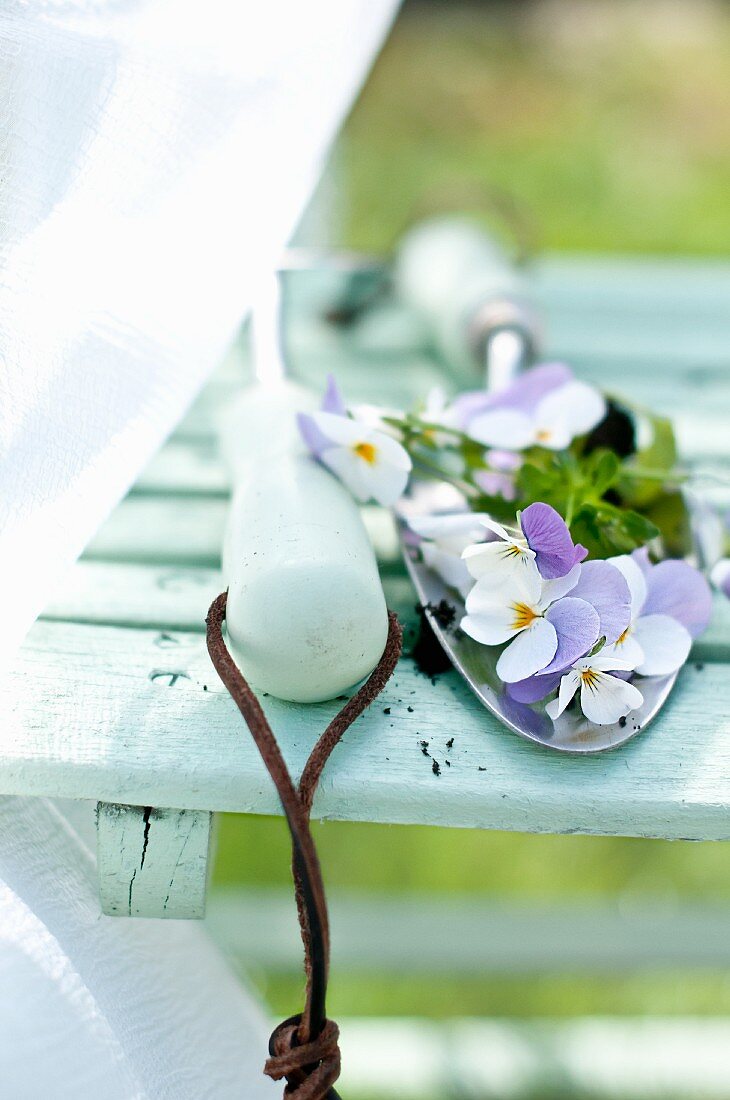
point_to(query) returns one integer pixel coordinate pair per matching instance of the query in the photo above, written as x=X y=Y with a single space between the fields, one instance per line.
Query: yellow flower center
x=622 y=638
x=524 y=616
x=589 y=678
x=366 y=451
x=543 y=435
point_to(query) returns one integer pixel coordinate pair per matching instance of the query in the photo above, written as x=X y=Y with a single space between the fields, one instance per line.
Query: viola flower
x=370 y=463
x=545 y=407
x=670 y=604
x=535 y=617
x=445 y=537
x=541 y=544
x=603 y=698
x=602 y=586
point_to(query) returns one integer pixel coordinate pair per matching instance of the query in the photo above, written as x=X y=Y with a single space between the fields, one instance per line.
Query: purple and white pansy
x=566 y=623
x=372 y=464
x=545 y=407
x=540 y=543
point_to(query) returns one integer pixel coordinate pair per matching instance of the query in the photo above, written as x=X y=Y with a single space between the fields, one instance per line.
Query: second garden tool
x=460 y=281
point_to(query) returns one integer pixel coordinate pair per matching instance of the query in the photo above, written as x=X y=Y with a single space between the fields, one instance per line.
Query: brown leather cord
x=304 y=1048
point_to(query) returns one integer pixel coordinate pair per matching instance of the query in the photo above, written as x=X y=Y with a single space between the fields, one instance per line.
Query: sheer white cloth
x=154 y=157
x=95 y=1006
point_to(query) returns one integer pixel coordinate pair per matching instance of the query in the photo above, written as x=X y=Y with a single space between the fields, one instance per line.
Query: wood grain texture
x=423 y=933
x=152 y=862
x=169 y=597
x=164 y=530
x=139 y=716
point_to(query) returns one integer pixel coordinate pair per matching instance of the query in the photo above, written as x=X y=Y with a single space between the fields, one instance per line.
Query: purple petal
x=547 y=534
x=495 y=484
x=468 y=405
x=675 y=588
x=524 y=393
x=316 y=441
x=532 y=385
x=577 y=626
x=333 y=401
x=534 y=688
x=604 y=587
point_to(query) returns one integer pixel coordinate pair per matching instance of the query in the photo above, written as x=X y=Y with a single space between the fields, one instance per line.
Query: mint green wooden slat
x=167 y=530
x=421 y=933
x=177 y=598
x=121 y=715
x=167 y=597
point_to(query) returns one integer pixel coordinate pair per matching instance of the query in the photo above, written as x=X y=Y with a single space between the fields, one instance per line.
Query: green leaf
x=606 y=530
x=600 y=471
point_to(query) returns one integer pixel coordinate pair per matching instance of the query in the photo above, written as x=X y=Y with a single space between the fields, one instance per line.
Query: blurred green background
x=607 y=124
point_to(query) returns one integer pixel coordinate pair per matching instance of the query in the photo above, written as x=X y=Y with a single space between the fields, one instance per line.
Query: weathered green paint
x=152 y=862
x=138 y=716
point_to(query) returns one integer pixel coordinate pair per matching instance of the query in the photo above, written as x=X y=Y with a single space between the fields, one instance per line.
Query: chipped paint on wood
x=152 y=863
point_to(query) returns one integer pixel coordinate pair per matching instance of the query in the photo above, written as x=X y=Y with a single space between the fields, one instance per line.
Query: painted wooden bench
x=113 y=699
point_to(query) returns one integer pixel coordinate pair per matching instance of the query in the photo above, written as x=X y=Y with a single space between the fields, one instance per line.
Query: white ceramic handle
x=306 y=613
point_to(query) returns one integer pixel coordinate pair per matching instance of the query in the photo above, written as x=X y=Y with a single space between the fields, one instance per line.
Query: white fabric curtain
x=103 y=1008
x=154 y=158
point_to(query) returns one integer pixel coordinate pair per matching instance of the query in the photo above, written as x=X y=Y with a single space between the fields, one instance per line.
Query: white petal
x=341 y=429
x=665 y=642
x=568 y=687
x=603 y=662
x=488 y=597
x=385 y=482
x=453 y=532
x=607 y=699
x=498 y=529
x=449 y=567
x=349 y=468
x=530 y=581
x=573 y=409
x=625 y=654
x=553 y=432
x=508 y=429
x=531 y=650
x=559 y=587
x=490 y=627
x=389 y=451
x=493 y=561
x=635 y=580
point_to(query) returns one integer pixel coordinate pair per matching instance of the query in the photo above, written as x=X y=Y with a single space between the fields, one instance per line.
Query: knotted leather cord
x=303 y=1048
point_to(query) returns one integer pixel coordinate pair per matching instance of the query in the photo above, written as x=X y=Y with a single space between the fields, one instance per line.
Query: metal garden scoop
x=457 y=278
